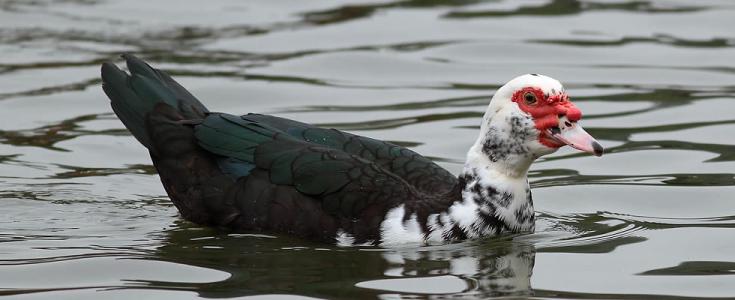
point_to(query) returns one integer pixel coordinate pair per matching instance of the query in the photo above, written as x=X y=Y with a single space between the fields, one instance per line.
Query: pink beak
x=572 y=134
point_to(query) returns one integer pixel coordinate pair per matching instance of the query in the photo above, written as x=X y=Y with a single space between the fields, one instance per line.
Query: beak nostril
x=568 y=124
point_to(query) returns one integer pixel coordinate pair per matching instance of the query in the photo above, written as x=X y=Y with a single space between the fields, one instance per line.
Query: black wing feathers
x=345 y=183
x=231 y=136
x=258 y=172
x=418 y=171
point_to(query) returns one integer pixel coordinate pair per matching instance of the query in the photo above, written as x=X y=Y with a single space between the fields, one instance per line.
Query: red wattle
x=546 y=111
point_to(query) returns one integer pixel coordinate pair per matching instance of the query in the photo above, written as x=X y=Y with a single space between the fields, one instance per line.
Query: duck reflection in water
x=489 y=270
x=273 y=265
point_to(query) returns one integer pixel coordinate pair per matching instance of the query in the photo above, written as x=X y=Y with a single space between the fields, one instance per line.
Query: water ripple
x=83 y=209
x=573 y=7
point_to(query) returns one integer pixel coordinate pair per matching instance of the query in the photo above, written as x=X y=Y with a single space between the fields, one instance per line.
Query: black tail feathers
x=136 y=95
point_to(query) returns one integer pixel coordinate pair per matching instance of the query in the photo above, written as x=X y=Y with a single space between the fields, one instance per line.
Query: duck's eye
x=530 y=98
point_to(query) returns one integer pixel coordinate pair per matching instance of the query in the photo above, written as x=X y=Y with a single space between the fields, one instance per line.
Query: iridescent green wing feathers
x=345 y=183
x=418 y=171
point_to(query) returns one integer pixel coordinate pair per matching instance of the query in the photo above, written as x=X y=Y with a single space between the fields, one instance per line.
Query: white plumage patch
x=465 y=214
x=394 y=231
x=344 y=239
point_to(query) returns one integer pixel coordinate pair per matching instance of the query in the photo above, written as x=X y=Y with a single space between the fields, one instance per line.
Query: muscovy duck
x=261 y=173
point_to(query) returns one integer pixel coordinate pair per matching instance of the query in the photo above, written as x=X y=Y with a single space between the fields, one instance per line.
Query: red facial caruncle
x=546 y=111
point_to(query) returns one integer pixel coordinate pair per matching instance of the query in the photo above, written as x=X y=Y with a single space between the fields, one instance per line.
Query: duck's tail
x=135 y=96
x=159 y=113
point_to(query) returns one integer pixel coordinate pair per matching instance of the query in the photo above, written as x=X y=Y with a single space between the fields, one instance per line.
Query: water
x=84 y=215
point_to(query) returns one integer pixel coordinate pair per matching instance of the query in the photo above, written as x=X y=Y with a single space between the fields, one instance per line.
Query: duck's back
x=264 y=173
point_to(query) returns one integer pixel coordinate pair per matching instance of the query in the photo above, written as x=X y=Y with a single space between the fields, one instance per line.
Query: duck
x=261 y=173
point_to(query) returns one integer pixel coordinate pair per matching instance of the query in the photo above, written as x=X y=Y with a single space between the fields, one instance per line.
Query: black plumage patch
x=525 y=214
x=503 y=199
x=455 y=234
x=499 y=144
x=490 y=222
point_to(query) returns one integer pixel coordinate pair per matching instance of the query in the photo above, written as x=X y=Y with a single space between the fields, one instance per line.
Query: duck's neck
x=494 y=179
x=492 y=196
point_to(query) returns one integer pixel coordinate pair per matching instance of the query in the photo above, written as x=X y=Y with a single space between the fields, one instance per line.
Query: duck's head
x=531 y=116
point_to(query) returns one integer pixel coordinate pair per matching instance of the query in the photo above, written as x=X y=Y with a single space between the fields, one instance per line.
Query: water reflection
x=489 y=268
x=48 y=135
x=696 y=268
x=265 y=264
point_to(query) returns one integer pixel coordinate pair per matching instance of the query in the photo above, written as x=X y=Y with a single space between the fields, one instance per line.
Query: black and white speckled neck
x=501 y=206
x=492 y=195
